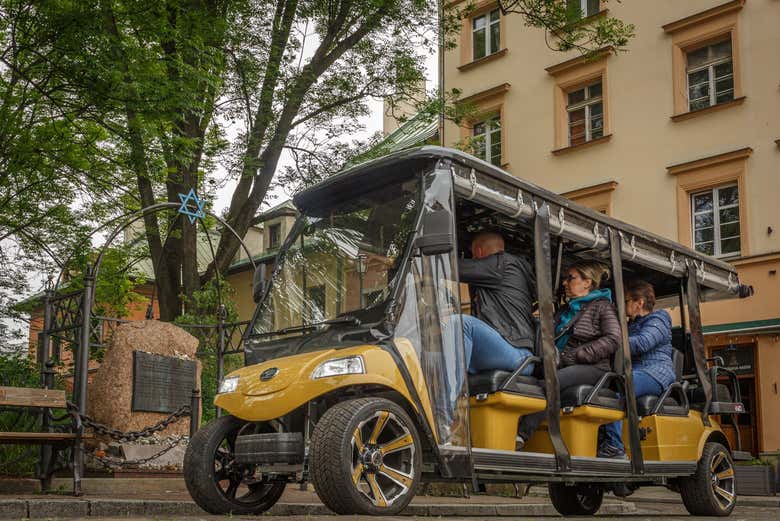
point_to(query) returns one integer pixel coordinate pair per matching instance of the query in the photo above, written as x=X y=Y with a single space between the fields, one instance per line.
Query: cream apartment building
x=680 y=135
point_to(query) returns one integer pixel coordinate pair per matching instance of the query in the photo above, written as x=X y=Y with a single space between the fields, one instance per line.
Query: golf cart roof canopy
x=513 y=197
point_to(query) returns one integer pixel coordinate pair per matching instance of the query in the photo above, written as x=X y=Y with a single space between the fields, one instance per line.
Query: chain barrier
x=118 y=435
x=118 y=462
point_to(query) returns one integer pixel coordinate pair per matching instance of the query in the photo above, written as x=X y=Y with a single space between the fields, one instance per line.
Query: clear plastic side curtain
x=430 y=320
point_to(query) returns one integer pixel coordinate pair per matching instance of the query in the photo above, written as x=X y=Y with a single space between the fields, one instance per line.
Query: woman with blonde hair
x=587 y=334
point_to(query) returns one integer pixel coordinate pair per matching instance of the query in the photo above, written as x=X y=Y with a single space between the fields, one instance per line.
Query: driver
x=500 y=334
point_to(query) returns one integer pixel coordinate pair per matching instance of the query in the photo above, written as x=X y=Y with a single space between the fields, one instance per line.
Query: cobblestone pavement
x=665 y=512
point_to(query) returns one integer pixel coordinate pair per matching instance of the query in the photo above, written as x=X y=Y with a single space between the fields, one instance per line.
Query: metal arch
x=134 y=216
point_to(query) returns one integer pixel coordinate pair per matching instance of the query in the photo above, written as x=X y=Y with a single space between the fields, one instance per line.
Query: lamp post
x=361 y=269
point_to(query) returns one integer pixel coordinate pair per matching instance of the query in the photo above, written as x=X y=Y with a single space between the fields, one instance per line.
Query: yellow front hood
x=290 y=369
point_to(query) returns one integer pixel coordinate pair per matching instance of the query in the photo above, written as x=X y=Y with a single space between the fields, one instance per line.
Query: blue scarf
x=574 y=307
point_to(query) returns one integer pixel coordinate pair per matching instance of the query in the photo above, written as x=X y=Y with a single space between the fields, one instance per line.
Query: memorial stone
x=110 y=395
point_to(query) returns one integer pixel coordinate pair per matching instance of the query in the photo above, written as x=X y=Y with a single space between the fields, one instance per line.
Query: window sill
x=587 y=144
x=707 y=110
x=485 y=59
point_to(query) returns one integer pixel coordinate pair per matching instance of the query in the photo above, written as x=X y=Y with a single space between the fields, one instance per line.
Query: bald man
x=500 y=332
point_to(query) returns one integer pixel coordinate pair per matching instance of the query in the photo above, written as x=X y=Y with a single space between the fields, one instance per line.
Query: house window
x=274 y=236
x=584 y=8
x=585 y=109
x=316 y=303
x=710 y=72
x=486 y=140
x=485 y=34
x=716 y=221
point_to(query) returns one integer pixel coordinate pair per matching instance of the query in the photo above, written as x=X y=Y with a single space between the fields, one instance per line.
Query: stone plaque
x=161 y=383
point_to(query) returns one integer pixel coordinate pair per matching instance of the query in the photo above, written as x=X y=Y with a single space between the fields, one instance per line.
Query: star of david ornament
x=187 y=210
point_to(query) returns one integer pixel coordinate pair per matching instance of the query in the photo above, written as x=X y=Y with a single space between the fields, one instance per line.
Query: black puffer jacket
x=595 y=335
x=503 y=290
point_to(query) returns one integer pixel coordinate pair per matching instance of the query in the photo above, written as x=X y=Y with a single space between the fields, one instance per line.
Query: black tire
x=214 y=480
x=712 y=490
x=351 y=462
x=576 y=500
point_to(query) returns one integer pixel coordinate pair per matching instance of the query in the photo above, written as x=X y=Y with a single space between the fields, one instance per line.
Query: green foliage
x=204 y=309
x=116 y=105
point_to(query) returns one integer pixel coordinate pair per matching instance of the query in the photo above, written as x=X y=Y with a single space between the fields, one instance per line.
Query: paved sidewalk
x=167 y=497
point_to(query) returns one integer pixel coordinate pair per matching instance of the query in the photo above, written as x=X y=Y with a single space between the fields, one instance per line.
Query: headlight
x=349 y=365
x=228 y=385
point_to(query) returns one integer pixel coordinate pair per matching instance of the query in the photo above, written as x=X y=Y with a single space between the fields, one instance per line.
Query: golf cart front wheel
x=365 y=457
x=216 y=481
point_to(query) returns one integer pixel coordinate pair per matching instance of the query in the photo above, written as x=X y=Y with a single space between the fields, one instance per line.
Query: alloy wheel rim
x=383 y=459
x=722 y=480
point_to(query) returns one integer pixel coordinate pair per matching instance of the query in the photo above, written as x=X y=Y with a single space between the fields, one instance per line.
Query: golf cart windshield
x=339 y=262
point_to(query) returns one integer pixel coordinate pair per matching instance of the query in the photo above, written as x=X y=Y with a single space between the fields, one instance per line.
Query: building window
x=584 y=8
x=486 y=34
x=586 y=114
x=710 y=73
x=274 y=236
x=486 y=140
x=716 y=221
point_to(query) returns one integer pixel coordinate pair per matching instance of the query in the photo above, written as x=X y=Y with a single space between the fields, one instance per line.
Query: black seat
x=488 y=382
x=670 y=407
x=697 y=399
x=577 y=395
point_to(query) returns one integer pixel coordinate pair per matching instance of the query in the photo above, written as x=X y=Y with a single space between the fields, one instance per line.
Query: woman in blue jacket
x=650 y=337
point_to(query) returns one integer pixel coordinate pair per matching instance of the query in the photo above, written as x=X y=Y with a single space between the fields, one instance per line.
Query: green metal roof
x=414 y=132
x=751 y=326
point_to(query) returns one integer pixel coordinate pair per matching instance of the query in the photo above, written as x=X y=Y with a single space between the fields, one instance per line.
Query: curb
x=69 y=508
x=742 y=501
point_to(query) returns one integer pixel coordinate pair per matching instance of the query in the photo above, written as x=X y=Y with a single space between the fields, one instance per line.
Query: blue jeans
x=486 y=349
x=644 y=384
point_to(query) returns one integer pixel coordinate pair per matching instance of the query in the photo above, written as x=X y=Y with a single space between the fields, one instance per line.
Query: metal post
x=221 y=314
x=45 y=366
x=194 y=412
x=697 y=343
x=47 y=450
x=542 y=255
x=81 y=373
x=623 y=358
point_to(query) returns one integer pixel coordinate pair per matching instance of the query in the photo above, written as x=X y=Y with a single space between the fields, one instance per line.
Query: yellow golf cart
x=355 y=378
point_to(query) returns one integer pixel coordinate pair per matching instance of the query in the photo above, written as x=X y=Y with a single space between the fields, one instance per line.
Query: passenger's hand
x=568 y=358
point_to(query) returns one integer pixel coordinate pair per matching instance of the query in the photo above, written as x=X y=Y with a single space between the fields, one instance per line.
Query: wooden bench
x=23 y=397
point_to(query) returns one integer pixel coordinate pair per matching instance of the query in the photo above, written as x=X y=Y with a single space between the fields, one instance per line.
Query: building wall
x=653 y=153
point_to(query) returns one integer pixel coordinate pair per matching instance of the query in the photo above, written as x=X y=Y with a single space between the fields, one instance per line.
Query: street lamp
x=361 y=269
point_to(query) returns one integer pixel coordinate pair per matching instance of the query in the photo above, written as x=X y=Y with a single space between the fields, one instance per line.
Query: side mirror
x=437 y=233
x=259 y=283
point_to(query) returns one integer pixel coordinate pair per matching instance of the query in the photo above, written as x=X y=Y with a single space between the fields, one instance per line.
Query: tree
x=166 y=84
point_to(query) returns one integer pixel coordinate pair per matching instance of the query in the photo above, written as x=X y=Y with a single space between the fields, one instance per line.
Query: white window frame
x=488 y=137
x=716 y=207
x=271 y=244
x=486 y=29
x=586 y=103
x=584 y=9
x=711 y=83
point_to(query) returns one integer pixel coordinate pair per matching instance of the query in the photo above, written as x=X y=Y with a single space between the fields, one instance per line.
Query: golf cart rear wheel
x=712 y=491
x=217 y=483
x=576 y=500
x=365 y=457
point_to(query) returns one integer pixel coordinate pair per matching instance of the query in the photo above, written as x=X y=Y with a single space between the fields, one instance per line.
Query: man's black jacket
x=503 y=290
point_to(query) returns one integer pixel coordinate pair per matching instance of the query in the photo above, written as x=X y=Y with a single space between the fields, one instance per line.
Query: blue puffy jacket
x=650 y=338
